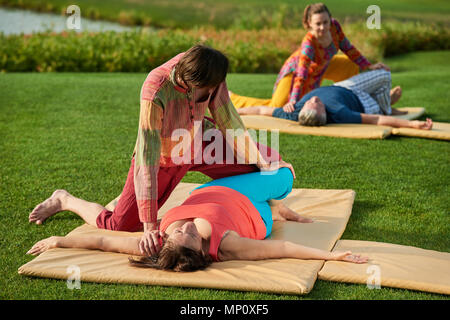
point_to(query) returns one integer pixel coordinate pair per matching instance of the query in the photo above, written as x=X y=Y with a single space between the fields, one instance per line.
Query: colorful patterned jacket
x=309 y=62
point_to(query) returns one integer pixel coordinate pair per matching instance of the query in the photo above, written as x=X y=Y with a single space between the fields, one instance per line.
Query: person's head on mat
x=182 y=251
x=313 y=113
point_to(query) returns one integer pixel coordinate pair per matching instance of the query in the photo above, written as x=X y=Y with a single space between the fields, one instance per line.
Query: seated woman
x=314 y=60
x=365 y=98
x=225 y=219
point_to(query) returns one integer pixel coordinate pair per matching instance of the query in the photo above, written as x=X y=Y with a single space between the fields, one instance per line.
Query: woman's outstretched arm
x=128 y=245
x=234 y=247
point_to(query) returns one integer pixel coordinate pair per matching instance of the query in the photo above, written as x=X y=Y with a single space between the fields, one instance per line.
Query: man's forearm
x=385 y=121
x=393 y=122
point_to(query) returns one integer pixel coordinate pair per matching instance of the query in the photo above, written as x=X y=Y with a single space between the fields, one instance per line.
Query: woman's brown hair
x=202 y=66
x=313 y=9
x=174 y=257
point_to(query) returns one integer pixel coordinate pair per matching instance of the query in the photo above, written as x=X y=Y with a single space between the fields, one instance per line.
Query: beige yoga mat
x=355 y=131
x=330 y=208
x=392 y=265
x=440 y=131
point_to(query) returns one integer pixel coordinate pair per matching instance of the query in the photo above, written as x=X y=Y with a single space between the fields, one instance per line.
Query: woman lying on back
x=225 y=219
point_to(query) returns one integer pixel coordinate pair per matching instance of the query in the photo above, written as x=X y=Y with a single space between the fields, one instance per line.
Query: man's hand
x=379 y=65
x=423 y=125
x=149 y=244
x=289 y=107
x=277 y=165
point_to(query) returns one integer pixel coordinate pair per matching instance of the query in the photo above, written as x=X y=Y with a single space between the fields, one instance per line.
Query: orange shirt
x=225 y=209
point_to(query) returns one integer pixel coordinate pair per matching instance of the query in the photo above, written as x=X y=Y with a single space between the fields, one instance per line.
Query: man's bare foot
x=282 y=213
x=396 y=94
x=49 y=207
x=423 y=125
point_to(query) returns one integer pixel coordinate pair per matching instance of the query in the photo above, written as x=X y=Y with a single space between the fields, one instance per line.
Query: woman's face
x=187 y=236
x=319 y=24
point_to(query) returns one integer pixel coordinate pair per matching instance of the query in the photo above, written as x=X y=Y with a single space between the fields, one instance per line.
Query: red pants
x=125 y=216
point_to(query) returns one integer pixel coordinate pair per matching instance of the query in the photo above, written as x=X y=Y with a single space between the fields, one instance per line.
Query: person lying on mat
x=364 y=98
x=225 y=219
x=316 y=59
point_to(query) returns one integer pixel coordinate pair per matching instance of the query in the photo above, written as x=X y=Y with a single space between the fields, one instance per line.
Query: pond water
x=17 y=21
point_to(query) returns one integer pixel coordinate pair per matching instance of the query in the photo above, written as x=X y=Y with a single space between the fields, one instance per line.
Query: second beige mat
x=392 y=265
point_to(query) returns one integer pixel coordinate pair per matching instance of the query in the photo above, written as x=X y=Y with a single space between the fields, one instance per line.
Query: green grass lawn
x=77 y=132
x=188 y=13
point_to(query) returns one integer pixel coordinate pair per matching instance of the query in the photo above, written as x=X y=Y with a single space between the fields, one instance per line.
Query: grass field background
x=226 y=13
x=77 y=131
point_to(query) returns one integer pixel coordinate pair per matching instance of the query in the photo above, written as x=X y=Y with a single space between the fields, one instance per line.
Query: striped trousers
x=373 y=89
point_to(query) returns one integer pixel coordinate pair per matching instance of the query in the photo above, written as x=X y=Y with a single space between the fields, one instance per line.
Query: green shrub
x=408 y=37
x=249 y=51
x=90 y=52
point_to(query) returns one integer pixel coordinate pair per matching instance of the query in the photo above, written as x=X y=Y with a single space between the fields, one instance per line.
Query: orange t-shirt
x=225 y=209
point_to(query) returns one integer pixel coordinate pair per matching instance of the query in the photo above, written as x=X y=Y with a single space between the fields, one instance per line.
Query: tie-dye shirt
x=167 y=109
x=309 y=62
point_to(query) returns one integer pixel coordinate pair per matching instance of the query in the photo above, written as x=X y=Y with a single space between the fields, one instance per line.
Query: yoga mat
x=396 y=266
x=440 y=131
x=330 y=208
x=354 y=131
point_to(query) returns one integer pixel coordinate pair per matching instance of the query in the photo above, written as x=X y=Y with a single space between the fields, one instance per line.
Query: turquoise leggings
x=259 y=188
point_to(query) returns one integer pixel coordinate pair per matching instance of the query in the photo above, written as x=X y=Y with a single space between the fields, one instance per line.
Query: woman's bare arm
x=128 y=245
x=234 y=247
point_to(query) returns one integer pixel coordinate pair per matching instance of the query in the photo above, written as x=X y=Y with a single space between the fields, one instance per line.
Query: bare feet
x=282 y=213
x=48 y=208
x=423 y=125
x=396 y=94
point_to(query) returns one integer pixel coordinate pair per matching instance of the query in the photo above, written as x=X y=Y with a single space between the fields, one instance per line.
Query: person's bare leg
x=259 y=110
x=282 y=213
x=61 y=200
